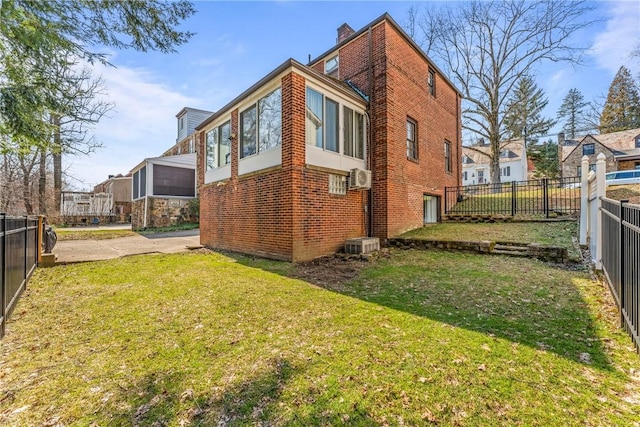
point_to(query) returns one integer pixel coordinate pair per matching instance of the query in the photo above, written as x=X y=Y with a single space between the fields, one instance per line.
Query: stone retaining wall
x=532 y=250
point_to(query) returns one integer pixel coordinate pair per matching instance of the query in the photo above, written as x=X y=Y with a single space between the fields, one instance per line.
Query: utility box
x=362 y=245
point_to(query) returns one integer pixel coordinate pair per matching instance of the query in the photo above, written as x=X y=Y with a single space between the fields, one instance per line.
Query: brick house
x=359 y=142
x=163 y=187
x=621 y=151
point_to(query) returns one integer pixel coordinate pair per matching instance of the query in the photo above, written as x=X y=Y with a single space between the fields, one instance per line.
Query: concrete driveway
x=94 y=250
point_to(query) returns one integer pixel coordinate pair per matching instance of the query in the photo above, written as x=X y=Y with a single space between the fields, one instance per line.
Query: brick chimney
x=344 y=31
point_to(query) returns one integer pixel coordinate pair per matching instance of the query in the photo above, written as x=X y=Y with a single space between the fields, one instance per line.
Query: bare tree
x=81 y=106
x=487 y=47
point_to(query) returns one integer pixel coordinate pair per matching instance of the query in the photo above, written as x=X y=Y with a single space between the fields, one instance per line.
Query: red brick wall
x=436 y=117
x=284 y=212
x=401 y=91
x=287 y=212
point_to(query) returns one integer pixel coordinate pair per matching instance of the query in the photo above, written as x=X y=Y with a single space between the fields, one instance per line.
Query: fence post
x=3 y=268
x=545 y=195
x=513 y=199
x=584 y=201
x=622 y=264
x=446 y=200
x=600 y=193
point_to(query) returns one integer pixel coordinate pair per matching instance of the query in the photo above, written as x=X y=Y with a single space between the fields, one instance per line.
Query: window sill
x=417 y=161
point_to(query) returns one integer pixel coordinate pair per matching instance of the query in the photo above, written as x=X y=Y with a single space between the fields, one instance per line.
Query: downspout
x=371 y=130
x=146 y=198
x=458 y=142
x=144 y=223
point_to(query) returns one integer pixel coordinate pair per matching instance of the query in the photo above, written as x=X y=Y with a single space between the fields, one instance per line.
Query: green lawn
x=417 y=338
x=548 y=233
x=102 y=234
x=529 y=201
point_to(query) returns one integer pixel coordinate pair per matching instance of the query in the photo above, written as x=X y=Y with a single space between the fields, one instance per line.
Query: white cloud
x=620 y=37
x=142 y=125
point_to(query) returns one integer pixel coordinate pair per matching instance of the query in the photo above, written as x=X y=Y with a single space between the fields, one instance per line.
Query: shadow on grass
x=161 y=399
x=521 y=300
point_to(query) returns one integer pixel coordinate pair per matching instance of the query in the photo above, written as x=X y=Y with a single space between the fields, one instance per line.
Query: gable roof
x=480 y=153
x=621 y=143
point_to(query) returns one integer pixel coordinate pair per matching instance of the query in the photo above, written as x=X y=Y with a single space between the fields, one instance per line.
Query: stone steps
x=510 y=249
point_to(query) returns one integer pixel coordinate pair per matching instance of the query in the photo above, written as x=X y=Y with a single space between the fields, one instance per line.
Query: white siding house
x=476 y=163
x=188 y=119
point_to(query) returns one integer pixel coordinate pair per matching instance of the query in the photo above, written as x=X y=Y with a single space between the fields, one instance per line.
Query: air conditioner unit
x=359 y=179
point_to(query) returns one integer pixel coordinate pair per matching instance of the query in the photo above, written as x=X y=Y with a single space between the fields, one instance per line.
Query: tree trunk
x=57 y=163
x=26 y=193
x=42 y=183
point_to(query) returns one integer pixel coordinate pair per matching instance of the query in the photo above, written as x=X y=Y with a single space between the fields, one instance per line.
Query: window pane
x=447 y=156
x=172 y=181
x=314 y=118
x=348 y=131
x=411 y=140
x=136 y=183
x=332 y=126
x=143 y=181
x=225 y=144
x=212 y=143
x=360 y=136
x=270 y=120
x=248 y=132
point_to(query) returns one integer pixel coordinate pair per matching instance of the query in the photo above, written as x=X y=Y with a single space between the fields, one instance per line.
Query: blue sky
x=237 y=43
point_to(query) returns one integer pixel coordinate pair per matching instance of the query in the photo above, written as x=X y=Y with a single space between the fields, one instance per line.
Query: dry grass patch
x=102 y=234
x=416 y=338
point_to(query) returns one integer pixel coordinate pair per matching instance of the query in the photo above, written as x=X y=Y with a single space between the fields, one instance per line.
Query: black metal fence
x=621 y=261
x=540 y=197
x=19 y=248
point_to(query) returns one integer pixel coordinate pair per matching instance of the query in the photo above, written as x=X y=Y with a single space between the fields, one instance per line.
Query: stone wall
x=161 y=212
x=532 y=250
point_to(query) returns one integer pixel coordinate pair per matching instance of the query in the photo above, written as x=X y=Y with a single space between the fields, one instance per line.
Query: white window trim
x=319 y=156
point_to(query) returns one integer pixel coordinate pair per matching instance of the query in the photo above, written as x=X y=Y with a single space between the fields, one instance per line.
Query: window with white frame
x=218 y=142
x=139 y=183
x=353 y=133
x=322 y=121
x=334 y=125
x=261 y=125
x=331 y=66
x=505 y=171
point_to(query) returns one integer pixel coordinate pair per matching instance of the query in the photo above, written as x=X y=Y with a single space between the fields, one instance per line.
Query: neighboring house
x=163 y=187
x=621 y=151
x=120 y=189
x=85 y=208
x=476 y=169
x=361 y=142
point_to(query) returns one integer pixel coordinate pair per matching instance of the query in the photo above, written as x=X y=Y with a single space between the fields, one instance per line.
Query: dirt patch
x=333 y=271
x=625 y=192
